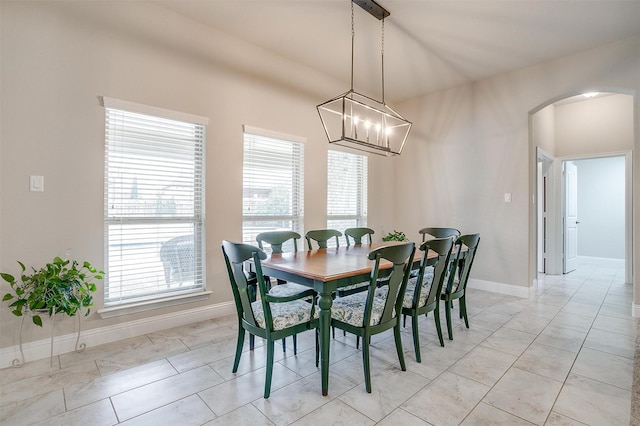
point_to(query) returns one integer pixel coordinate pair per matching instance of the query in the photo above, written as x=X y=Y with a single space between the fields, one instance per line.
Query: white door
x=570 y=217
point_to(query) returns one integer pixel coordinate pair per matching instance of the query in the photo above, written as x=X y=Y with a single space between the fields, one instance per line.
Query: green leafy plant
x=62 y=286
x=395 y=236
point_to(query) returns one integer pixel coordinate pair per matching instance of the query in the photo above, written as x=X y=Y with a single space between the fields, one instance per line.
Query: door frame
x=555 y=211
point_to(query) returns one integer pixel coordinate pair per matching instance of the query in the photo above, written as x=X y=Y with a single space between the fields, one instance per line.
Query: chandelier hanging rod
x=373 y=8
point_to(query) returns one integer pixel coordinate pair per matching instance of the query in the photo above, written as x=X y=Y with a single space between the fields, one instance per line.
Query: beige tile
x=529 y=322
x=32 y=410
x=584 y=309
x=400 y=417
x=510 y=341
x=546 y=361
x=625 y=326
x=127 y=359
x=556 y=419
x=99 y=413
x=389 y=388
x=231 y=395
x=247 y=415
x=562 y=338
x=188 y=411
x=249 y=361
x=203 y=355
x=103 y=387
x=487 y=415
x=613 y=343
x=593 y=402
x=352 y=368
x=292 y=402
x=572 y=321
x=188 y=330
x=604 y=367
x=525 y=395
x=490 y=320
x=447 y=400
x=334 y=413
x=484 y=365
x=38 y=385
x=29 y=369
x=93 y=353
x=435 y=359
x=154 y=395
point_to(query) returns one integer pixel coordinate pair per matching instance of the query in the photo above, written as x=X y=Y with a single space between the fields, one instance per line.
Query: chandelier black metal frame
x=361 y=122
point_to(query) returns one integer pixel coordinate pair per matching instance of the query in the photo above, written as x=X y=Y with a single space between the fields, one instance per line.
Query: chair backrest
x=401 y=256
x=322 y=236
x=357 y=234
x=276 y=238
x=464 y=260
x=444 y=247
x=439 y=232
x=235 y=256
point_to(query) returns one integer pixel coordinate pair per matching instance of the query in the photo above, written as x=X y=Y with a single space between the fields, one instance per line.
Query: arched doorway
x=574 y=128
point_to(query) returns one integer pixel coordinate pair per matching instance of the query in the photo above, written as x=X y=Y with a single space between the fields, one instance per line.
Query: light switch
x=507 y=197
x=36 y=183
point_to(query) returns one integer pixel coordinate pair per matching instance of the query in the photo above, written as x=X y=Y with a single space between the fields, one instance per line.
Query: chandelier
x=359 y=121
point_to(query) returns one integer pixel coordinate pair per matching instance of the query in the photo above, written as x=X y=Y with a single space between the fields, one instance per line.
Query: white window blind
x=273 y=185
x=346 y=190
x=154 y=203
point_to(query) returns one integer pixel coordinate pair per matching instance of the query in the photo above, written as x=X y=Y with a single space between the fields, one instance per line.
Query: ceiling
x=429 y=45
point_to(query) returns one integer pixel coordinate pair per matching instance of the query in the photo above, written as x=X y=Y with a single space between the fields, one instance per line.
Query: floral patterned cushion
x=288 y=289
x=350 y=309
x=284 y=314
x=411 y=286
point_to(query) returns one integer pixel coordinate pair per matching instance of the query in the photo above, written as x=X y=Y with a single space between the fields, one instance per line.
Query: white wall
x=601 y=207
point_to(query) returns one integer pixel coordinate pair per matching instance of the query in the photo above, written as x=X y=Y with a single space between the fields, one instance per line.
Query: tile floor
x=563 y=357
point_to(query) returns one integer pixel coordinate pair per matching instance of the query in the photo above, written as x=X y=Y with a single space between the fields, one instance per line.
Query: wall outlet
x=507 y=197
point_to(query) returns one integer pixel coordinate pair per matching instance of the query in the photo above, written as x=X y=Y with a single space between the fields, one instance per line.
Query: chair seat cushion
x=424 y=292
x=350 y=309
x=285 y=314
x=288 y=289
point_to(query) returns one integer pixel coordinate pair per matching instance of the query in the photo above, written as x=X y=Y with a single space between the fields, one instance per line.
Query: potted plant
x=62 y=286
x=395 y=236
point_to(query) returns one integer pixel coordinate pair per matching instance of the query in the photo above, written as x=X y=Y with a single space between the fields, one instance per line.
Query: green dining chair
x=276 y=239
x=439 y=232
x=378 y=309
x=270 y=317
x=357 y=234
x=423 y=292
x=464 y=250
x=322 y=237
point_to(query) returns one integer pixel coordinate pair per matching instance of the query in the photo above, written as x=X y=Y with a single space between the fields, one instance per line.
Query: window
x=346 y=190
x=154 y=203
x=272 y=184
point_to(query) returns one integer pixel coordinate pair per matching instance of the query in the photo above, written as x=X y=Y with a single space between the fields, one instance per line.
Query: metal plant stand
x=79 y=347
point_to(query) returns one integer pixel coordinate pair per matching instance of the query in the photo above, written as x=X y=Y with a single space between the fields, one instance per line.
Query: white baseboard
x=41 y=349
x=508 y=289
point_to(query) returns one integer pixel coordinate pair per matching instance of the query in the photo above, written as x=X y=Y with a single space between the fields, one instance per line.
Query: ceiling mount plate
x=373 y=8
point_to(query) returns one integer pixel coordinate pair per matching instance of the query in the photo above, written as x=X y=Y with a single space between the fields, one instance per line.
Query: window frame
x=163 y=220
x=255 y=135
x=359 y=215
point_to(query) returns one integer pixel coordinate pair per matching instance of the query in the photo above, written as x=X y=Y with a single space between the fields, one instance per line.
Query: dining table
x=326 y=270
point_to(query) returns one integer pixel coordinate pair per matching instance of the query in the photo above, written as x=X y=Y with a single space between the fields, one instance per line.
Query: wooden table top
x=332 y=263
